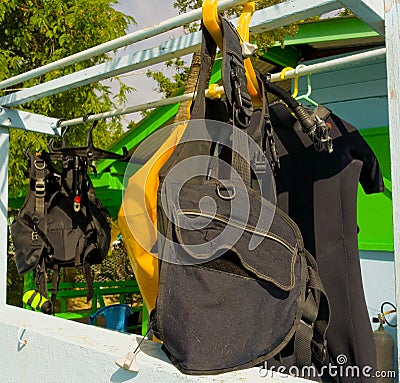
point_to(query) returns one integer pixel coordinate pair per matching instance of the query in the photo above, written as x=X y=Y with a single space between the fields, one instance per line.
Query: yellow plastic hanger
x=295 y=83
x=213 y=24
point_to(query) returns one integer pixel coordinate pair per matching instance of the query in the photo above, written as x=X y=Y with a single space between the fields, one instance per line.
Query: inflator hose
x=305 y=120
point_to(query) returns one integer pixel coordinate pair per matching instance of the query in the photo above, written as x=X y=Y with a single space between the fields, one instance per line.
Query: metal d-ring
x=230 y=196
x=41 y=167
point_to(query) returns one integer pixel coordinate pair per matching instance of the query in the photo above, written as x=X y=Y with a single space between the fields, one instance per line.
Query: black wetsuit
x=319 y=191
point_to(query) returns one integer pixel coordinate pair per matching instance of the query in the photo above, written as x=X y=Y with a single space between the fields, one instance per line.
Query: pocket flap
x=206 y=235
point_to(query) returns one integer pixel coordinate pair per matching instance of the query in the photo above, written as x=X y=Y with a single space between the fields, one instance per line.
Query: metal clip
x=321 y=138
x=238 y=95
x=34 y=236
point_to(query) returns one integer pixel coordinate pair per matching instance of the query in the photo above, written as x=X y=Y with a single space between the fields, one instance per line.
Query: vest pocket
x=28 y=243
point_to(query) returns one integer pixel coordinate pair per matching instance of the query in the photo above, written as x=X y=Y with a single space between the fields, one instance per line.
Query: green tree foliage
x=268 y=39
x=36 y=32
x=169 y=86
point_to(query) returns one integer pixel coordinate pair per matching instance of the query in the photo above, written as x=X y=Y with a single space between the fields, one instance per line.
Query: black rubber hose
x=306 y=122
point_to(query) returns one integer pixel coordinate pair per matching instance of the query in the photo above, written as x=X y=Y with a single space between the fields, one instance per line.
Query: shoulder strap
x=208 y=51
x=238 y=98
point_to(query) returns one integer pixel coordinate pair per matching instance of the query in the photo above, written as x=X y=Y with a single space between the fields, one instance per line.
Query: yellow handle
x=243 y=29
x=211 y=20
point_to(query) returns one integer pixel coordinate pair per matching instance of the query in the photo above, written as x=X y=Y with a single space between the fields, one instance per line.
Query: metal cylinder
x=385 y=355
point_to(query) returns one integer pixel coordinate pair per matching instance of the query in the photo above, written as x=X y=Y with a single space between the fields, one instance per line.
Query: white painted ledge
x=63 y=351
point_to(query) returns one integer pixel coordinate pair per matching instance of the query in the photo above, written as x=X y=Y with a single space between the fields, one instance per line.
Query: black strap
x=208 y=51
x=241 y=156
x=322 y=319
x=238 y=100
x=234 y=79
x=41 y=278
x=38 y=173
x=89 y=281
x=54 y=285
x=302 y=344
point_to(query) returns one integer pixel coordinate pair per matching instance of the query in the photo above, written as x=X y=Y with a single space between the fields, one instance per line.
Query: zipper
x=237 y=224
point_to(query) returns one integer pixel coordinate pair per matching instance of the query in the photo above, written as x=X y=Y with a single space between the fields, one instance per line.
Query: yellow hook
x=295 y=83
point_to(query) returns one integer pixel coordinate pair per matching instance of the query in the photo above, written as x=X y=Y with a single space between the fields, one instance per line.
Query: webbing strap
x=54 y=287
x=305 y=331
x=238 y=98
x=89 y=281
x=241 y=156
x=40 y=278
x=310 y=342
x=302 y=344
x=322 y=320
x=208 y=50
x=189 y=148
x=38 y=168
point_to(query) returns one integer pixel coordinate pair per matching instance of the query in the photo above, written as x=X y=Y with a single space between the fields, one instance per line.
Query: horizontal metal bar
x=177 y=47
x=301 y=71
x=132 y=109
x=332 y=64
x=120 y=42
x=10 y=118
x=263 y=19
x=289 y=12
x=39 y=123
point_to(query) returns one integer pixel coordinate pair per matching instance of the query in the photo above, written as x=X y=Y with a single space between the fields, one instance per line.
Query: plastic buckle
x=40 y=189
x=259 y=163
x=306 y=323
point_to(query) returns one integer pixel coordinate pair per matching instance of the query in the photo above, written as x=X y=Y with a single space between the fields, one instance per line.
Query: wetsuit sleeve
x=358 y=149
x=371 y=176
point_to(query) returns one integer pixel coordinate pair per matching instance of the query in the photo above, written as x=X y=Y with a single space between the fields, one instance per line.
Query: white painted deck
x=63 y=351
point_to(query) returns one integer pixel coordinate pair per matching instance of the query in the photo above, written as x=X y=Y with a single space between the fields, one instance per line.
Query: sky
x=145 y=16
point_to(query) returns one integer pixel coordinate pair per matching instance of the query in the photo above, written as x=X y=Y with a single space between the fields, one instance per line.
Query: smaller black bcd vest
x=61 y=224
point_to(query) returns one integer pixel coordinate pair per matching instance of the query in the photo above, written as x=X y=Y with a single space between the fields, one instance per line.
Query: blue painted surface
x=358 y=93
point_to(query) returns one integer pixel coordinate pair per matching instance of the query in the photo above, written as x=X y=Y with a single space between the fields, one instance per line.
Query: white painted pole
x=392 y=33
x=302 y=71
x=120 y=42
x=3 y=214
x=342 y=62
